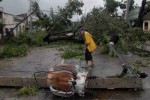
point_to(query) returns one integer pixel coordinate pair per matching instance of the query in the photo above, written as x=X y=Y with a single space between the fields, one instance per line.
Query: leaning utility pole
x=127 y=10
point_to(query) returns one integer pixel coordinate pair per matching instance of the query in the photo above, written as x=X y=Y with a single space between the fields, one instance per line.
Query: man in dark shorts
x=90 y=46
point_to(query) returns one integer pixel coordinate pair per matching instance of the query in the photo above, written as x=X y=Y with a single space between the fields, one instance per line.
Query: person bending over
x=90 y=46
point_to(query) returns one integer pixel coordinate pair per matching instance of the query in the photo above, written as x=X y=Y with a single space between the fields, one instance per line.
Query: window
x=23 y=28
x=146 y=26
x=1 y=15
x=20 y=30
x=6 y=30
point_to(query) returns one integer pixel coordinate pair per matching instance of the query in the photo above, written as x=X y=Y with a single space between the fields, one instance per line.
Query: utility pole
x=30 y=19
x=51 y=13
x=127 y=10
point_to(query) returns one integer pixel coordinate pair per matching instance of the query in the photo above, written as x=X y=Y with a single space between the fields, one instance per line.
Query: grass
x=137 y=65
x=19 y=46
x=104 y=49
x=112 y=54
x=147 y=58
x=68 y=49
x=140 y=63
x=14 y=51
x=27 y=91
x=72 y=51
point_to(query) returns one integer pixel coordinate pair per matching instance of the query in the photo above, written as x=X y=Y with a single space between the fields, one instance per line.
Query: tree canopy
x=111 y=6
x=132 y=5
x=72 y=7
x=148 y=5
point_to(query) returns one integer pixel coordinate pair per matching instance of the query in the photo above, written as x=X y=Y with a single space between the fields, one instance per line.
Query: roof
x=134 y=14
x=22 y=15
x=8 y=14
x=147 y=16
x=2 y=11
x=18 y=18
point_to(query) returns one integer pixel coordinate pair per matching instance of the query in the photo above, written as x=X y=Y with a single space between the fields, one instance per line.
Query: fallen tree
x=58 y=25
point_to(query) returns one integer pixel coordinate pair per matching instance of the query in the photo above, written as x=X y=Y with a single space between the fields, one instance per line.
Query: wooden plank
x=103 y=83
x=115 y=83
x=22 y=81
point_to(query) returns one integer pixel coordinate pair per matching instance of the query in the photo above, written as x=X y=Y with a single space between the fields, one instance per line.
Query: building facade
x=146 y=22
x=21 y=27
x=8 y=23
x=1 y=22
x=8 y=20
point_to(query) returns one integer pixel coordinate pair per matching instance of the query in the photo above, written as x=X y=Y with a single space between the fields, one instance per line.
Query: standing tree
x=132 y=6
x=123 y=5
x=148 y=5
x=72 y=7
x=111 y=6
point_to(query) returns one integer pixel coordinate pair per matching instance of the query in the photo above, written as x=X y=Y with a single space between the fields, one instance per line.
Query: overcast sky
x=22 y=6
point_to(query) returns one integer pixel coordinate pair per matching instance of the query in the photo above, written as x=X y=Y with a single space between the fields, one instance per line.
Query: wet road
x=43 y=58
x=37 y=59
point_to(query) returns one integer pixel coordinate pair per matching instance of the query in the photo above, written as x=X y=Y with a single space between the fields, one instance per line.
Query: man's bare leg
x=92 y=62
x=86 y=63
